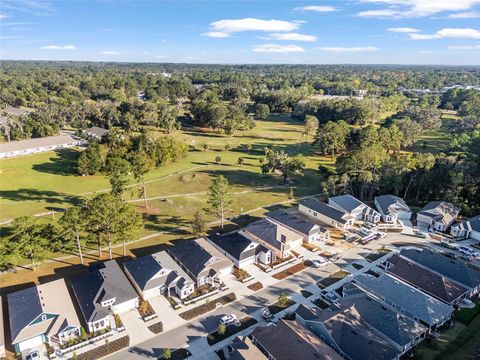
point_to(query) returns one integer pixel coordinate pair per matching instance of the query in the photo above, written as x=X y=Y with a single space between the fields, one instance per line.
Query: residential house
x=467 y=229
x=344 y=330
x=438 y=215
x=42 y=314
x=2 y=334
x=406 y=299
x=357 y=209
x=312 y=233
x=326 y=214
x=392 y=208
x=430 y=283
x=241 y=250
x=242 y=348
x=32 y=146
x=273 y=236
x=158 y=274
x=201 y=261
x=456 y=270
x=103 y=291
x=289 y=339
x=95 y=133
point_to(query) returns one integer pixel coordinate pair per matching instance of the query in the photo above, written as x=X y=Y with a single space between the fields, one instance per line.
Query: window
x=44 y=317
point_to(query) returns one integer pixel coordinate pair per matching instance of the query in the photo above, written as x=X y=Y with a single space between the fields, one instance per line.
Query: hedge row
x=209 y=306
x=106 y=349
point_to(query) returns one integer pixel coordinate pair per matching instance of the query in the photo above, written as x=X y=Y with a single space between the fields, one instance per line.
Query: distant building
x=95 y=133
x=32 y=146
x=438 y=215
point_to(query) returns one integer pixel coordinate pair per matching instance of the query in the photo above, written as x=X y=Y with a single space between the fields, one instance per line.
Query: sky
x=248 y=31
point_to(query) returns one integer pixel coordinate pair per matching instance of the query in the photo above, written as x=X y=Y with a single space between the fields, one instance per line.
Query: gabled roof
x=391 y=204
x=289 y=338
x=471 y=224
x=414 y=302
x=245 y=349
x=456 y=270
x=429 y=282
x=440 y=211
x=198 y=256
x=325 y=209
x=27 y=305
x=346 y=202
x=353 y=336
x=271 y=232
x=146 y=271
x=235 y=244
x=294 y=222
x=99 y=285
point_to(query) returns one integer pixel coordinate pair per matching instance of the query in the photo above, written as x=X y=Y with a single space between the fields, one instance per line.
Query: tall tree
x=311 y=126
x=117 y=170
x=141 y=164
x=218 y=198
x=73 y=224
x=198 y=223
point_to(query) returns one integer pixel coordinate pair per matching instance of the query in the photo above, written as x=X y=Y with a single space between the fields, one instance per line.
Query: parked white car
x=316 y=263
x=33 y=355
x=228 y=319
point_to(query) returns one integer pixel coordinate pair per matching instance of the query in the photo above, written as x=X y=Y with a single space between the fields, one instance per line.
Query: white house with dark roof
x=312 y=233
x=357 y=209
x=438 y=215
x=241 y=250
x=95 y=133
x=467 y=229
x=273 y=236
x=37 y=145
x=326 y=214
x=158 y=274
x=392 y=208
x=101 y=292
x=42 y=314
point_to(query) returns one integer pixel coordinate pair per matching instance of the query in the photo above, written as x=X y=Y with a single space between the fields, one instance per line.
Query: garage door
x=247 y=262
x=31 y=343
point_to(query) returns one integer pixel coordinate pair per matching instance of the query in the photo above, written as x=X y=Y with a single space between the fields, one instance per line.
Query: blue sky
x=318 y=32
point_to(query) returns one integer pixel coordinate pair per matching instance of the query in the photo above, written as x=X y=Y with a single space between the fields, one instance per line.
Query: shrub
x=156 y=328
x=215 y=337
x=209 y=306
x=105 y=350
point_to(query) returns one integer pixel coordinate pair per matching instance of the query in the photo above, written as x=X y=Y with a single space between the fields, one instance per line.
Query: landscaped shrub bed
x=215 y=337
x=241 y=274
x=305 y=293
x=199 y=291
x=83 y=337
x=156 y=328
x=276 y=308
x=255 y=286
x=290 y=271
x=209 y=306
x=145 y=309
x=118 y=322
x=332 y=279
x=105 y=350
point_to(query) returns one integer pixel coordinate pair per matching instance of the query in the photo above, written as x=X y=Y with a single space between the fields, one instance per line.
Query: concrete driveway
x=135 y=327
x=166 y=313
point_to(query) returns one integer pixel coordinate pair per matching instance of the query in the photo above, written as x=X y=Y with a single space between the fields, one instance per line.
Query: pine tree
x=218 y=199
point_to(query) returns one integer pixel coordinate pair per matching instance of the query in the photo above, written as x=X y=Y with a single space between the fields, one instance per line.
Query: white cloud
x=275 y=48
x=109 y=52
x=216 y=34
x=424 y=52
x=252 y=24
x=60 y=47
x=292 y=37
x=448 y=33
x=464 y=47
x=3 y=16
x=160 y=56
x=8 y=37
x=465 y=15
x=316 y=8
x=403 y=30
x=416 y=8
x=341 y=49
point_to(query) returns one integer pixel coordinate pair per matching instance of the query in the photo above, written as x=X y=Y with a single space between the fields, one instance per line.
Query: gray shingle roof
x=325 y=209
x=385 y=201
x=101 y=284
x=144 y=271
x=454 y=269
x=294 y=222
x=414 y=302
x=271 y=232
x=96 y=131
x=347 y=202
x=28 y=144
x=23 y=307
x=234 y=244
x=431 y=283
x=440 y=211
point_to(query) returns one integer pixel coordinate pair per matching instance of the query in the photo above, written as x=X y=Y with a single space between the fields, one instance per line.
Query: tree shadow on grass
x=158 y=223
x=50 y=197
x=64 y=163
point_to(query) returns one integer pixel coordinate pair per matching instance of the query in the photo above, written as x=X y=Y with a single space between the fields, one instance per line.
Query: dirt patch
x=290 y=271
